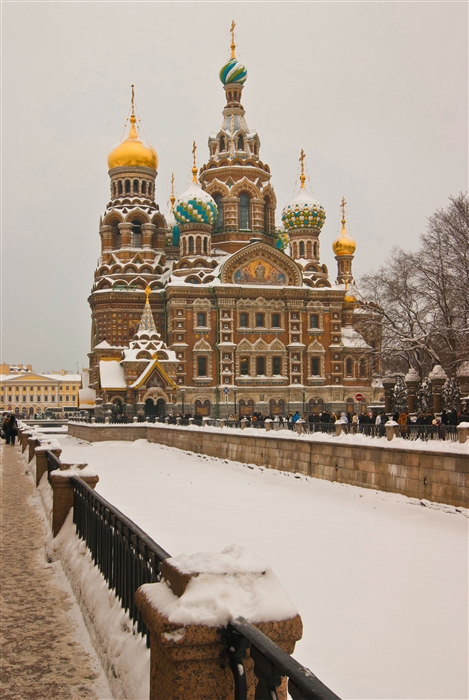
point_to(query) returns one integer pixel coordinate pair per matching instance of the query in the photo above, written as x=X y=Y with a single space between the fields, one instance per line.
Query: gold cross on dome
x=342 y=206
x=302 y=176
x=133 y=99
x=194 y=166
x=233 y=45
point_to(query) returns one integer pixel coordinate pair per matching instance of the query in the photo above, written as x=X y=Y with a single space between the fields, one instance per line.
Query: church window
x=201 y=319
x=315 y=250
x=275 y=320
x=240 y=143
x=119 y=186
x=260 y=365
x=276 y=365
x=135 y=186
x=205 y=245
x=244 y=214
x=243 y=320
x=260 y=321
x=136 y=234
x=308 y=250
x=198 y=245
x=222 y=144
x=348 y=367
x=302 y=249
x=219 y=221
x=295 y=249
x=315 y=367
x=202 y=366
x=144 y=187
x=244 y=366
x=191 y=244
x=127 y=187
x=314 y=321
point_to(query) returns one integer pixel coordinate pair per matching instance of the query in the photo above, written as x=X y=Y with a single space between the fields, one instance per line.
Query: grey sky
x=375 y=93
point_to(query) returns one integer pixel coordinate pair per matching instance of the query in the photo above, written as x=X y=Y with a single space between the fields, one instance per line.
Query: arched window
x=244 y=213
x=315 y=250
x=348 y=367
x=205 y=246
x=135 y=186
x=198 y=245
x=219 y=221
x=266 y=216
x=315 y=366
x=222 y=144
x=136 y=234
x=309 y=250
x=191 y=245
x=113 y=190
x=116 y=235
x=127 y=187
x=295 y=249
x=119 y=185
x=302 y=249
x=144 y=187
x=240 y=143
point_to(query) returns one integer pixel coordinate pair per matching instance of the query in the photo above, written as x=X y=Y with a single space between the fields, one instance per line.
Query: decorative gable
x=260 y=264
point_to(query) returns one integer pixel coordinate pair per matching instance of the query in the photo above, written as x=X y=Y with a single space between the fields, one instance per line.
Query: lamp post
x=183 y=392
x=234 y=395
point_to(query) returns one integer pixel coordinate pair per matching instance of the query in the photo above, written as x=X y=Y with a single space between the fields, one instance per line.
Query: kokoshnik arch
x=212 y=307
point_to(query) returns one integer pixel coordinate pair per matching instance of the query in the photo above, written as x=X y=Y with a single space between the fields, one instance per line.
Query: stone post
x=390 y=428
x=191 y=421
x=437 y=377
x=268 y=424
x=338 y=427
x=205 y=421
x=188 y=660
x=463 y=429
x=299 y=426
x=33 y=442
x=41 y=459
x=221 y=423
x=62 y=493
x=242 y=423
x=412 y=380
x=388 y=385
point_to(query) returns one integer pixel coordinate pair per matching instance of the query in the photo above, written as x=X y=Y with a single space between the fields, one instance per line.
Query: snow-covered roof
x=352 y=339
x=111 y=375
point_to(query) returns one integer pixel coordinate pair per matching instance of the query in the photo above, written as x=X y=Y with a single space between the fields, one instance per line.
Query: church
x=214 y=310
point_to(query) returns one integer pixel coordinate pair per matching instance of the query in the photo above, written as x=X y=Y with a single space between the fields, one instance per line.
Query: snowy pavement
x=46 y=650
x=380 y=580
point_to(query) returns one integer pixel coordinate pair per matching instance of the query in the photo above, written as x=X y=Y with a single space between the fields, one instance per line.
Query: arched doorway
x=277 y=408
x=246 y=408
x=202 y=408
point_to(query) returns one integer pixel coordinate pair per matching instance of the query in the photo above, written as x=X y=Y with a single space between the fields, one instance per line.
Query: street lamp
x=183 y=391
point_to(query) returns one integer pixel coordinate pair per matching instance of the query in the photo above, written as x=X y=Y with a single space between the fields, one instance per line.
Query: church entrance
x=153 y=409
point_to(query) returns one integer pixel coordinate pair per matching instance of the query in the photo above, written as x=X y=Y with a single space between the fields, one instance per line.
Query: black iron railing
x=53 y=462
x=126 y=556
x=271 y=665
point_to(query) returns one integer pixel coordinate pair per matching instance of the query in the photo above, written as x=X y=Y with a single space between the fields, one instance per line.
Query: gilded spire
x=147 y=322
x=133 y=131
x=302 y=176
x=172 y=199
x=342 y=206
x=233 y=45
x=194 y=164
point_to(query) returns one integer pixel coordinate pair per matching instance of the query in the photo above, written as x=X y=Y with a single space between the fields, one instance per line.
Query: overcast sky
x=376 y=93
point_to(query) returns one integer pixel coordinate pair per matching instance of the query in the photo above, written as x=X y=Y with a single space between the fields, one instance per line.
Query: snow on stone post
x=463 y=429
x=412 y=380
x=438 y=378
x=198 y=595
x=388 y=385
x=62 y=492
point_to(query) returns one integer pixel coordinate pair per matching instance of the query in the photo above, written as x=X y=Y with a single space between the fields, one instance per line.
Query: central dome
x=133 y=152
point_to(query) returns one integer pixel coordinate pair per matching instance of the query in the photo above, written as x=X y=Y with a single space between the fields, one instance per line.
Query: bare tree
x=421 y=300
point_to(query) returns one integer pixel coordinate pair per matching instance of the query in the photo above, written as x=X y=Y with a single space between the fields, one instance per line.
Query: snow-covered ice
x=380 y=580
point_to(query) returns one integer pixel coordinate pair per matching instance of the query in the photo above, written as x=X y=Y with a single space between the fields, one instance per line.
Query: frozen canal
x=380 y=581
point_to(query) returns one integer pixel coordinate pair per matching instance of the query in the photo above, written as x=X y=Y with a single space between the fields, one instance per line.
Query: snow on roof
x=102 y=344
x=352 y=339
x=111 y=374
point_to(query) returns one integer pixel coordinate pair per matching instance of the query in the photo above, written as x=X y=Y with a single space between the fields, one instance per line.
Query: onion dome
x=303 y=211
x=283 y=239
x=195 y=206
x=344 y=244
x=132 y=151
x=233 y=71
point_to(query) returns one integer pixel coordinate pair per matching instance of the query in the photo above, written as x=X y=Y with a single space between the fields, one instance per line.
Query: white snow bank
x=74 y=470
x=233 y=583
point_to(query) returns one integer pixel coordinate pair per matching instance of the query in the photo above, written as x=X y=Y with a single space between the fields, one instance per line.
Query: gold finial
x=233 y=45
x=342 y=206
x=147 y=293
x=133 y=131
x=302 y=176
x=194 y=166
x=172 y=199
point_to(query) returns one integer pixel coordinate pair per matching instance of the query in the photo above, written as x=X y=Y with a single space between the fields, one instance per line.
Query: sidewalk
x=45 y=649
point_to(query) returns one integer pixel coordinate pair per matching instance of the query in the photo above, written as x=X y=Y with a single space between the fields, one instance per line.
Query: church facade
x=213 y=310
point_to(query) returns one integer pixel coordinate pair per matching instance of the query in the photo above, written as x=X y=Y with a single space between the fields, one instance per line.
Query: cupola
x=132 y=151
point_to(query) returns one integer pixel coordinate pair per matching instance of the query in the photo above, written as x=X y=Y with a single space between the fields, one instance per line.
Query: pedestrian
x=10 y=428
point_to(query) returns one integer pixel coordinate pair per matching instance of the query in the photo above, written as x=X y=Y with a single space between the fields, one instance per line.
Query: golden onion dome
x=344 y=244
x=132 y=151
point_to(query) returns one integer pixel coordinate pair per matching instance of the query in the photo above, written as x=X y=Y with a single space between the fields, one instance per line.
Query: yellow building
x=31 y=393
